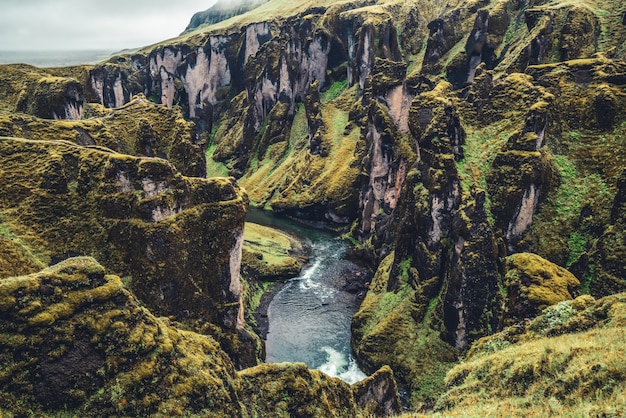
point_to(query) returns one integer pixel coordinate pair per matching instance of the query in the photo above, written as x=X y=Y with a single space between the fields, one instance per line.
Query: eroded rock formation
x=179 y=238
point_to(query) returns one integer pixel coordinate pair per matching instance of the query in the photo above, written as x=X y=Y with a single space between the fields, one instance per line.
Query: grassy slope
x=570 y=361
x=292 y=166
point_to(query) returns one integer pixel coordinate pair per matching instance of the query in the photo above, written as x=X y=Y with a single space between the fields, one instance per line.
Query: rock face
x=179 y=238
x=52 y=98
x=38 y=98
x=378 y=394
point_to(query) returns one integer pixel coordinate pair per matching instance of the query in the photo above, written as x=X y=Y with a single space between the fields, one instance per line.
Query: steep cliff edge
x=179 y=238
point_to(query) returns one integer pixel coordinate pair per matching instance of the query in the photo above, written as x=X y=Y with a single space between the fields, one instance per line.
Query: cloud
x=80 y=24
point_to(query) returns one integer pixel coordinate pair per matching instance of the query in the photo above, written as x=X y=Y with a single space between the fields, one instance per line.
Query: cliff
x=179 y=238
x=76 y=340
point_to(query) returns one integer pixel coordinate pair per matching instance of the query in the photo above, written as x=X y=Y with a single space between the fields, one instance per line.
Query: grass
x=274 y=245
x=480 y=149
x=270 y=254
x=333 y=91
x=575 y=374
x=214 y=168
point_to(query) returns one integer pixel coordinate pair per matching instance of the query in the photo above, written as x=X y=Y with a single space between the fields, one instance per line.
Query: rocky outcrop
x=314 y=120
x=139 y=128
x=179 y=238
x=292 y=389
x=446 y=254
x=516 y=196
x=76 y=340
x=390 y=151
x=532 y=284
x=378 y=393
x=52 y=98
x=609 y=264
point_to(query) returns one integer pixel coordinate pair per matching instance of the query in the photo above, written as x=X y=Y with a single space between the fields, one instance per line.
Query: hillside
x=472 y=151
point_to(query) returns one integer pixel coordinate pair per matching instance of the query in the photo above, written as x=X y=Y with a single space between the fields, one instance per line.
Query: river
x=309 y=318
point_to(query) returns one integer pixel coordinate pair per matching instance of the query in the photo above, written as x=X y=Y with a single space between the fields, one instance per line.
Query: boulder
x=532 y=284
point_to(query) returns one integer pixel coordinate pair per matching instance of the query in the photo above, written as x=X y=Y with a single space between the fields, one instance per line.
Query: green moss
x=125 y=351
x=214 y=168
x=270 y=254
x=333 y=91
x=134 y=214
x=480 y=148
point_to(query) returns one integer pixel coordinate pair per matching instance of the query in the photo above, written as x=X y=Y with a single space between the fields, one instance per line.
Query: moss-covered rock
x=52 y=98
x=74 y=339
x=138 y=128
x=609 y=264
x=532 y=284
x=178 y=238
x=290 y=389
x=439 y=290
x=385 y=332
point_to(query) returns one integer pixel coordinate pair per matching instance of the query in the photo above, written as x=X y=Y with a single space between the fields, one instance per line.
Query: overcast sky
x=88 y=24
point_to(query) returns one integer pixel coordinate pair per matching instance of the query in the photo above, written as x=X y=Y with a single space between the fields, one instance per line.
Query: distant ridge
x=222 y=10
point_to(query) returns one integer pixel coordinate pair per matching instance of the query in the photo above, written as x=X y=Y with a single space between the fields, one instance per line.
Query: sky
x=87 y=24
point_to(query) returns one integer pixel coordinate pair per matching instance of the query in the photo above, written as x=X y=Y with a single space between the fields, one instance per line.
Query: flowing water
x=309 y=319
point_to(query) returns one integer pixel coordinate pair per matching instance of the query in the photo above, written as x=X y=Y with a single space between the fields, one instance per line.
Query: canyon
x=470 y=152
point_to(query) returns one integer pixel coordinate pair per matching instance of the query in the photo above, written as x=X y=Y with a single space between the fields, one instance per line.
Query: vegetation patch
x=270 y=254
x=578 y=371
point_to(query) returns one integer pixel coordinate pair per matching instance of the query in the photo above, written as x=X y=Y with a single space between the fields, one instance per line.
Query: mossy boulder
x=532 y=284
x=74 y=339
x=290 y=389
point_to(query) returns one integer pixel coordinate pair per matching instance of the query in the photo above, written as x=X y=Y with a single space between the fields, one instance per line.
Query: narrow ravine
x=309 y=318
